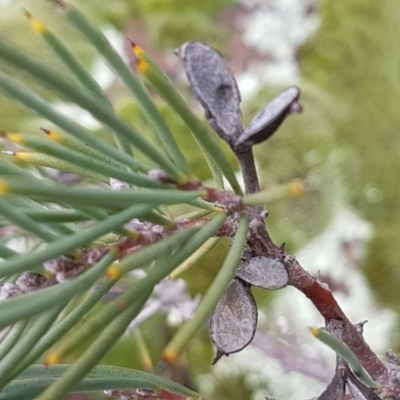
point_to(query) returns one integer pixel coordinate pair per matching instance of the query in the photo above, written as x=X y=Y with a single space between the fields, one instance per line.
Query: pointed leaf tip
x=215 y=87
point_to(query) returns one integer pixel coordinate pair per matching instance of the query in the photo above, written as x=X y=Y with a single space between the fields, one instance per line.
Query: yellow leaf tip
x=4 y=187
x=315 y=331
x=52 y=134
x=142 y=66
x=36 y=25
x=137 y=50
x=141 y=63
x=169 y=356
x=13 y=137
x=299 y=188
x=113 y=272
x=52 y=359
x=22 y=155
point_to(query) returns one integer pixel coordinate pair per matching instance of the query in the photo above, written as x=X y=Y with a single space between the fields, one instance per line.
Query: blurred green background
x=346 y=143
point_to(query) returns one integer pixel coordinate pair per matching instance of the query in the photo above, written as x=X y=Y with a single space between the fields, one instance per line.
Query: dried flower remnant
x=234 y=321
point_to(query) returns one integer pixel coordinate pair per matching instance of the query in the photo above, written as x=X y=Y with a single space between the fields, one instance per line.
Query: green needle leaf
x=63 y=245
x=14 y=215
x=97 y=39
x=344 y=351
x=32 y=101
x=103 y=377
x=102 y=113
x=106 y=197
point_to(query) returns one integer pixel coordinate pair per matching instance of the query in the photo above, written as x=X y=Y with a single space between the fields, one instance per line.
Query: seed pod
x=268 y=120
x=265 y=272
x=234 y=321
x=215 y=88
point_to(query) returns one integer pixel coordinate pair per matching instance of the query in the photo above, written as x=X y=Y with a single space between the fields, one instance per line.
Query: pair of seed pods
x=234 y=321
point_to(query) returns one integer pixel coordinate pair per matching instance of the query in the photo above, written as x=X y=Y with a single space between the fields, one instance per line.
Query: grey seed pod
x=268 y=120
x=215 y=88
x=234 y=321
x=265 y=272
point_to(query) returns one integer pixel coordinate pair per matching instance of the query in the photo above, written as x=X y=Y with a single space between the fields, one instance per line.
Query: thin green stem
x=106 y=198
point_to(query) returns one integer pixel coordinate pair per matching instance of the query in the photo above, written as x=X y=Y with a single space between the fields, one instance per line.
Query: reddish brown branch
x=259 y=243
x=321 y=296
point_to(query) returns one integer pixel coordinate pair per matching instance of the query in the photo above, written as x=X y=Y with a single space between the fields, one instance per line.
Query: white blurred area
x=276 y=28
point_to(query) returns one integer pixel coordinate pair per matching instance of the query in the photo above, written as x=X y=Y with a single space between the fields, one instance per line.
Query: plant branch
x=260 y=244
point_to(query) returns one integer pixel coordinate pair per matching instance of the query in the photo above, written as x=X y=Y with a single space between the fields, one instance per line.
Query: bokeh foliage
x=355 y=60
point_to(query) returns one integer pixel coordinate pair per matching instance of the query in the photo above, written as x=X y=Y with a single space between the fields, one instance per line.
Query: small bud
x=265 y=272
x=215 y=88
x=268 y=120
x=234 y=321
